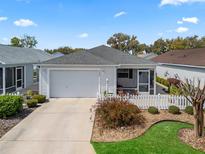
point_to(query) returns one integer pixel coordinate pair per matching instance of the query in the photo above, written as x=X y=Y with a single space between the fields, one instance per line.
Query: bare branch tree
x=196 y=96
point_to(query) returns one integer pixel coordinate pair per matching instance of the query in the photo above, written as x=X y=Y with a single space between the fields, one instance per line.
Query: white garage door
x=73 y=83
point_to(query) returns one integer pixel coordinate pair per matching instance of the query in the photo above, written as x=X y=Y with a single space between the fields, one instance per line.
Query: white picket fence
x=159 y=101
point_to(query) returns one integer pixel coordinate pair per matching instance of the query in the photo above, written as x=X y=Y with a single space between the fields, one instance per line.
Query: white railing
x=159 y=101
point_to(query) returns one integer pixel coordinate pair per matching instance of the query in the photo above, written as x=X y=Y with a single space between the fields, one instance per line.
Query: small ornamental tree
x=195 y=94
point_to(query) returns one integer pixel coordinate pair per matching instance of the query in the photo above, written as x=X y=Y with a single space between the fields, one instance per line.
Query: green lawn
x=160 y=139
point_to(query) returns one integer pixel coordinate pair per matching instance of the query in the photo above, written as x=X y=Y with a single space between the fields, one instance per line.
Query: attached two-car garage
x=73 y=83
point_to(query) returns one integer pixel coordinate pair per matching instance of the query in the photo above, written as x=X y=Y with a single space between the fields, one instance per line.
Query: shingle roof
x=194 y=57
x=16 y=55
x=117 y=56
x=101 y=55
x=79 y=57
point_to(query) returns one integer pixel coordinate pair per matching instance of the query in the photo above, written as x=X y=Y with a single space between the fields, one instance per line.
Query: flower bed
x=100 y=134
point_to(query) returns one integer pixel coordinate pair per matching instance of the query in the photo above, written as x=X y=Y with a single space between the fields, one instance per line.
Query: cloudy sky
x=88 y=23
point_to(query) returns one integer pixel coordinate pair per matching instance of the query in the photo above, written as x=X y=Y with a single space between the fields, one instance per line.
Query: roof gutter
x=71 y=65
x=139 y=64
x=95 y=65
x=192 y=66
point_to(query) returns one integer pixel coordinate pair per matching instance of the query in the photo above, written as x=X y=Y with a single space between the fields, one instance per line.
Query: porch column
x=4 y=80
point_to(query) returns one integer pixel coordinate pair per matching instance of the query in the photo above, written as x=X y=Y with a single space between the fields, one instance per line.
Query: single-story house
x=182 y=64
x=16 y=67
x=96 y=71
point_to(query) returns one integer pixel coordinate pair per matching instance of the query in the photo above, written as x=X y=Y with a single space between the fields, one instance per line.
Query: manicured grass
x=162 y=138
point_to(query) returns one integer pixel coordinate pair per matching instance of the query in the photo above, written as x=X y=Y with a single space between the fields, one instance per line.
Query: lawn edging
x=161 y=137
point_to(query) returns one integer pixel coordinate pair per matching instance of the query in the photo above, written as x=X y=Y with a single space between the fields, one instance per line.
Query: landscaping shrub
x=158 y=79
x=10 y=105
x=32 y=103
x=29 y=93
x=174 y=109
x=118 y=113
x=162 y=81
x=40 y=98
x=173 y=90
x=189 y=110
x=153 y=110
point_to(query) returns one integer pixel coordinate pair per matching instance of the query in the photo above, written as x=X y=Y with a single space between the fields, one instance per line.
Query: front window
x=125 y=73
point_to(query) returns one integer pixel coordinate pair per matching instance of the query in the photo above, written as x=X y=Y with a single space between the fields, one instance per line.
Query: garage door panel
x=73 y=83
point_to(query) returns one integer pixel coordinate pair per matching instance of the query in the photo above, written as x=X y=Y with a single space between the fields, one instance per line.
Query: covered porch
x=11 y=79
x=136 y=81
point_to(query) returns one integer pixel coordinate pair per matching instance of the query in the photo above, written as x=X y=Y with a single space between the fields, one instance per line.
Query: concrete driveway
x=62 y=126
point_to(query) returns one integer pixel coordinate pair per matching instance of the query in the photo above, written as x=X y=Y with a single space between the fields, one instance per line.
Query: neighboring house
x=91 y=73
x=16 y=67
x=182 y=64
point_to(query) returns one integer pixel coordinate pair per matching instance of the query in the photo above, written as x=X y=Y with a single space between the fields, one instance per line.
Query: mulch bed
x=101 y=134
x=187 y=136
x=9 y=122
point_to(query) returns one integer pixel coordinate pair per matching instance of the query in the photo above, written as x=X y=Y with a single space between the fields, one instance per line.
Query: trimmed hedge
x=162 y=81
x=153 y=110
x=189 y=110
x=10 y=105
x=116 y=113
x=174 y=109
x=40 y=98
x=32 y=103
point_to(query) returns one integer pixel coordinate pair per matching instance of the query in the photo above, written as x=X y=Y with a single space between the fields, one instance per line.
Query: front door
x=19 y=78
x=143 y=81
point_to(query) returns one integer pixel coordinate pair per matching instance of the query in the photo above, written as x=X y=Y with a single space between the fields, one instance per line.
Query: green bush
x=158 y=79
x=118 y=113
x=189 y=110
x=32 y=103
x=10 y=105
x=40 y=98
x=29 y=93
x=162 y=81
x=174 y=109
x=173 y=90
x=153 y=110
